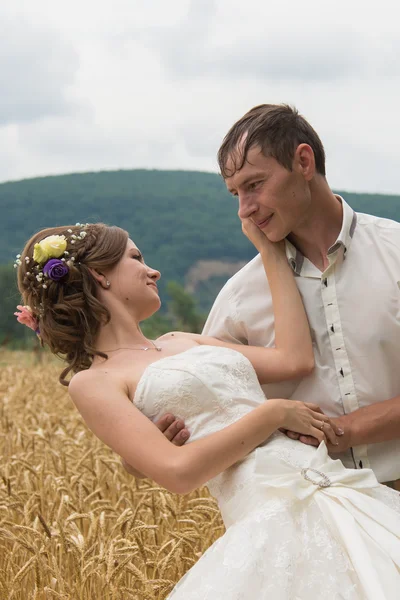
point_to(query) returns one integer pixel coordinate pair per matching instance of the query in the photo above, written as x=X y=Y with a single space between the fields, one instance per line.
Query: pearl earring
x=108 y=283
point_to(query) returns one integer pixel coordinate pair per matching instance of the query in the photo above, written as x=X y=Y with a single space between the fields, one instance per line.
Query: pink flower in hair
x=25 y=317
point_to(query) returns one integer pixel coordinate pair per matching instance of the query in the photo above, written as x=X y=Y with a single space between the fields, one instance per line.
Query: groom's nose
x=247 y=207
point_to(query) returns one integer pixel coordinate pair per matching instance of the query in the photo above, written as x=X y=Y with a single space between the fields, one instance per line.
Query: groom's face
x=276 y=199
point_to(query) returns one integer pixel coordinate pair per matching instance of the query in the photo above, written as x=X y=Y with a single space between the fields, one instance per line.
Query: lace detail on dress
x=278 y=552
x=187 y=388
x=292 y=452
x=184 y=396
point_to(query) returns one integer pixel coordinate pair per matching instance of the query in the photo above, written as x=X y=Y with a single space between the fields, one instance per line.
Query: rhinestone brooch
x=324 y=482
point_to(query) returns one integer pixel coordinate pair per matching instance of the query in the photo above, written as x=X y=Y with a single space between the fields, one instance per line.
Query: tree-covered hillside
x=175 y=217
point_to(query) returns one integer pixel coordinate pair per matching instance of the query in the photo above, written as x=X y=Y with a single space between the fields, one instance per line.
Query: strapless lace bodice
x=209 y=388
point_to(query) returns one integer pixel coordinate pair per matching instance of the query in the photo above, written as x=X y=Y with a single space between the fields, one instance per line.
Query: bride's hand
x=258 y=238
x=307 y=419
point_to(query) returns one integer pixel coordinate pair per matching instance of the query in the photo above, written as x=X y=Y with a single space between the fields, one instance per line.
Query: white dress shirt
x=353 y=309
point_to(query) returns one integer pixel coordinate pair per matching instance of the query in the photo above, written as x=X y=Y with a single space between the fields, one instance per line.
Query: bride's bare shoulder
x=91 y=380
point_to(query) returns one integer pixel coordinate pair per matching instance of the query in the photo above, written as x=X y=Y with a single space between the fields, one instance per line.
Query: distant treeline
x=175 y=217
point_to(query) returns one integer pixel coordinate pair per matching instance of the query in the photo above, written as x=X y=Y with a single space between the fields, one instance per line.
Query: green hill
x=176 y=217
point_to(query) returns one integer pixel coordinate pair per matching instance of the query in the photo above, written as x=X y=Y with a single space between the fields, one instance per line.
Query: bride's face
x=134 y=284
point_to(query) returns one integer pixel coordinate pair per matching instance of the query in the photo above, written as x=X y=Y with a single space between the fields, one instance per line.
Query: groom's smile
x=264 y=222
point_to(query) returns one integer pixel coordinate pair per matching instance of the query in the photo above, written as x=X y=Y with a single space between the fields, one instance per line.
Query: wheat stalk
x=73 y=524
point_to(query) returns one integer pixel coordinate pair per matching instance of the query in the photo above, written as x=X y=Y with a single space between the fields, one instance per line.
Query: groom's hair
x=278 y=129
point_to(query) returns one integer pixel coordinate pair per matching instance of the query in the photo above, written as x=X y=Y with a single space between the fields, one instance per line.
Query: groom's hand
x=174 y=430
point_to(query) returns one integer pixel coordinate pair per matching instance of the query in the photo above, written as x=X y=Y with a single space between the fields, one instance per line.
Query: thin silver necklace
x=153 y=347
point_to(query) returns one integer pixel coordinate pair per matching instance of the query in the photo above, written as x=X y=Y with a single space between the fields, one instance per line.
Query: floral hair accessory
x=53 y=246
x=25 y=317
x=52 y=259
x=55 y=269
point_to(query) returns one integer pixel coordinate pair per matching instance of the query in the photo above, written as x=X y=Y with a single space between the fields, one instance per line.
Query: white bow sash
x=367 y=528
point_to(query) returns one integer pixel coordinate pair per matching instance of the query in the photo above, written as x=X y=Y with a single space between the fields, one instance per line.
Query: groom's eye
x=253 y=185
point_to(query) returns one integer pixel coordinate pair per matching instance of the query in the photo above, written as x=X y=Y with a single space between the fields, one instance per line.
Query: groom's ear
x=99 y=277
x=304 y=161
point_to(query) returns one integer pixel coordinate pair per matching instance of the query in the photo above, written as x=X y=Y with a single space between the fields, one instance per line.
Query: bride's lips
x=265 y=222
x=153 y=285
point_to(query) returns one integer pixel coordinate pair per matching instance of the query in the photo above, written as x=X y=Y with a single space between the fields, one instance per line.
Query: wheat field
x=73 y=524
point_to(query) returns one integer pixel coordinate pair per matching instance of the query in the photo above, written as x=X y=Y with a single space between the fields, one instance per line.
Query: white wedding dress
x=299 y=525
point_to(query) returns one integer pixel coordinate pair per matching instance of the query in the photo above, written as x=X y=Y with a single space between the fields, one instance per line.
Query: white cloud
x=37 y=68
x=138 y=83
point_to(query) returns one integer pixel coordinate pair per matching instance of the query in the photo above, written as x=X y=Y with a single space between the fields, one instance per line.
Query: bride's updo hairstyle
x=64 y=302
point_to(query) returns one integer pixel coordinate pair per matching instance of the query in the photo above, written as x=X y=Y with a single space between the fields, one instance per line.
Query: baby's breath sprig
x=80 y=236
x=18 y=261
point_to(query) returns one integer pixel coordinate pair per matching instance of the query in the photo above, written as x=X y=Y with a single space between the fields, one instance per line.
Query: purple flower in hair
x=55 y=269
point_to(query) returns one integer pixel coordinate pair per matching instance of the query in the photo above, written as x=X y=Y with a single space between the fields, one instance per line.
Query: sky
x=90 y=85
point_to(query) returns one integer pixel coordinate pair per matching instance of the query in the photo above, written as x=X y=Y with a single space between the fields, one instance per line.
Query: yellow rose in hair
x=51 y=247
x=54 y=245
x=39 y=254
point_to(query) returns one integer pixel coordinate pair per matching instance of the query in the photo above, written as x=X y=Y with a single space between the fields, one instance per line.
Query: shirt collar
x=296 y=258
x=348 y=227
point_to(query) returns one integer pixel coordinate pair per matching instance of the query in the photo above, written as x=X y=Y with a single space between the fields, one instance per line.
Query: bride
x=299 y=525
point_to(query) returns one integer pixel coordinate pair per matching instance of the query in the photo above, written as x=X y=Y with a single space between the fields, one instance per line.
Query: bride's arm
x=108 y=412
x=292 y=355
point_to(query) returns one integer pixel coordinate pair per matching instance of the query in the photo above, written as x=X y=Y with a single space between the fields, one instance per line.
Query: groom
x=347 y=267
